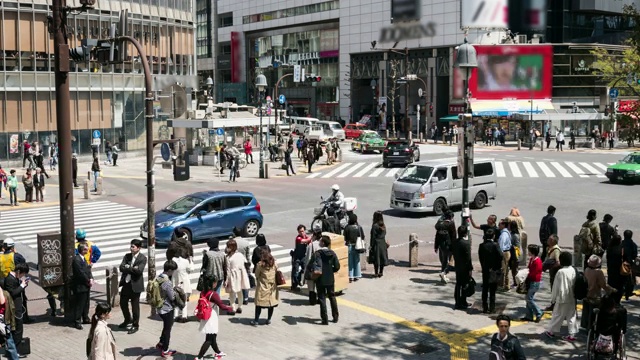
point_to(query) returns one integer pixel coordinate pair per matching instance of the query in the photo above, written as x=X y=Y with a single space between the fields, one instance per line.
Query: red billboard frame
x=545 y=92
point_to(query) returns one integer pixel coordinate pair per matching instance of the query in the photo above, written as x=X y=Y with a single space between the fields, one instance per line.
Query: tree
x=393 y=75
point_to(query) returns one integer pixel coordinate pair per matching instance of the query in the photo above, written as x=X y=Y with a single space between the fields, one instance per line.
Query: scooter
x=348 y=207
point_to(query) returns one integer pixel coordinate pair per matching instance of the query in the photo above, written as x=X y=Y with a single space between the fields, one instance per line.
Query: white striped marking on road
x=314 y=175
x=377 y=172
x=561 y=170
x=54 y=213
x=79 y=220
x=350 y=170
x=392 y=172
x=365 y=170
x=601 y=166
x=592 y=170
x=32 y=211
x=500 y=170
x=530 y=170
x=545 y=169
x=515 y=170
x=337 y=170
x=576 y=169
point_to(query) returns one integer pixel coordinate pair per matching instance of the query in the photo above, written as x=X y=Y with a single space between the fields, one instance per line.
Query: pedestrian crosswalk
x=504 y=169
x=109 y=225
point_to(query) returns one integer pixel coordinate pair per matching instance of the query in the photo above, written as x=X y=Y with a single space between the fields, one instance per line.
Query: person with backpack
x=564 y=296
x=445 y=233
x=267 y=294
x=504 y=241
x=309 y=257
x=548 y=227
x=464 y=268
x=326 y=262
x=504 y=345
x=102 y=344
x=161 y=295
x=589 y=238
x=209 y=325
x=214 y=267
x=237 y=276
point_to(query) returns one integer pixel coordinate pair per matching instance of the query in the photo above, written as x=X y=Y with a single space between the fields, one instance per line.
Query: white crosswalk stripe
x=504 y=169
x=110 y=226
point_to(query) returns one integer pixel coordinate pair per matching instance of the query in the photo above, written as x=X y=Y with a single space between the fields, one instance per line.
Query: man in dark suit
x=325 y=284
x=462 y=259
x=15 y=284
x=82 y=282
x=132 y=268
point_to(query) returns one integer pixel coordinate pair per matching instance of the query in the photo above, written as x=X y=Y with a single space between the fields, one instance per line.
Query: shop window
x=225 y=20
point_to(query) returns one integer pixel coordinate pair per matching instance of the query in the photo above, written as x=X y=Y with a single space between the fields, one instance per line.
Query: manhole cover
x=421 y=349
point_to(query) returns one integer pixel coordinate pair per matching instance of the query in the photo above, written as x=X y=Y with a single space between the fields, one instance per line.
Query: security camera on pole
x=466 y=60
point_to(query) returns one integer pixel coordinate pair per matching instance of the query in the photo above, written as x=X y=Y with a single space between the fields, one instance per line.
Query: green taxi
x=625 y=170
x=368 y=141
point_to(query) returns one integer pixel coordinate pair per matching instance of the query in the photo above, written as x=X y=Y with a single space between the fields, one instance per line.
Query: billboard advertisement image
x=512 y=72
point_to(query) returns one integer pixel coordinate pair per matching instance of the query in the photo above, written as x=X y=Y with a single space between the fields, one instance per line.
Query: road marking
x=500 y=169
x=337 y=170
x=377 y=172
x=314 y=175
x=601 y=166
x=576 y=169
x=514 y=169
x=506 y=155
x=592 y=170
x=392 y=172
x=365 y=170
x=350 y=170
x=561 y=170
x=530 y=170
x=545 y=169
x=528 y=158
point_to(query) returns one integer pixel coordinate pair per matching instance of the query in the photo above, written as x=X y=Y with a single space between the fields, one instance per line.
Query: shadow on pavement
x=295 y=320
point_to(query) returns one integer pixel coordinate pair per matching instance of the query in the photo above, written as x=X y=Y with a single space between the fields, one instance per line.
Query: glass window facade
x=294 y=11
x=203 y=29
x=225 y=20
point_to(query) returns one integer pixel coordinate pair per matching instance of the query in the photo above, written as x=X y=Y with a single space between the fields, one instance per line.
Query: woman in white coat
x=237 y=276
x=103 y=344
x=181 y=278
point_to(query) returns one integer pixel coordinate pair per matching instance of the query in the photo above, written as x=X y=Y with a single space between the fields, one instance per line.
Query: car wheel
x=315 y=223
x=187 y=233
x=480 y=200
x=439 y=206
x=251 y=228
x=385 y=164
x=418 y=158
x=613 y=180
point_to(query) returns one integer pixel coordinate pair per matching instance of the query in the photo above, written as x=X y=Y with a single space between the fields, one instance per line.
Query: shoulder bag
x=360 y=245
x=280 y=280
x=625 y=268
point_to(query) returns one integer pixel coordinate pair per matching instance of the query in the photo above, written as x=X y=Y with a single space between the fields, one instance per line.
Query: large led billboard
x=510 y=72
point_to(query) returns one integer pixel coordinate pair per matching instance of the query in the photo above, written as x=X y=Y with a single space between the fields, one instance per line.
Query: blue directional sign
x=282 y=99
x=613 y=93
x=96 y=134
x=212 y=131
x=165 y=151
x=220 y=131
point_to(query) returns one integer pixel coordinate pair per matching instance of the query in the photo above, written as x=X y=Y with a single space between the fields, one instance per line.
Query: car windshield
x=398 y=146
x=416 y=174
x=336 y=127
x=373 y=136
x=183 y=205
x=631 y=159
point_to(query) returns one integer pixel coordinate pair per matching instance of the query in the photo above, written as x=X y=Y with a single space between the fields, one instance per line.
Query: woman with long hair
x=351 y=233
x=237 y=276
x=267 y=295
x=101 y=340
x=379 y=244
x=209 y=327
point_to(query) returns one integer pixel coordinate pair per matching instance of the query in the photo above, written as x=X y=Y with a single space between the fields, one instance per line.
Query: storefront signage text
x=407 y=32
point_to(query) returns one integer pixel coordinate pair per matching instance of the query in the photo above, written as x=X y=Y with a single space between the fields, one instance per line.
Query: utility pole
x=407 y=120
x=63 y=125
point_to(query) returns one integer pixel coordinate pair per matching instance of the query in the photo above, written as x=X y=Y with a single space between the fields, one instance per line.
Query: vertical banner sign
x=302 y=75
x=14 y=144
x=50 y=260
x=492 y=14
x=236 y=59
x=296 y=73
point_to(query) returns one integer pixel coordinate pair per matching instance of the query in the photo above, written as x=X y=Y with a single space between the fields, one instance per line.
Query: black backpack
x=443 y=239
x=581 y=286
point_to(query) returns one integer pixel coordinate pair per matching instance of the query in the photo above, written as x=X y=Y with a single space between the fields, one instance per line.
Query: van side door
x=456 y=186
x=439 y=186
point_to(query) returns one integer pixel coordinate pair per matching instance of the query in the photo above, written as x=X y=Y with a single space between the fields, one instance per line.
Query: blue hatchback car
x=208 y=214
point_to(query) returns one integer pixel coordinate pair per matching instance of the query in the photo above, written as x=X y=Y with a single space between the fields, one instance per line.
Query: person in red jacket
x=248 y=149
x=533 y=284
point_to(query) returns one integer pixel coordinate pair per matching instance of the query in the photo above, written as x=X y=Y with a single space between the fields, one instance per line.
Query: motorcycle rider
x=337 y=197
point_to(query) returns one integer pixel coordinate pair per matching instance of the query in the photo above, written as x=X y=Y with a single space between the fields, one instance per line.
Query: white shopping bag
x=521 y=276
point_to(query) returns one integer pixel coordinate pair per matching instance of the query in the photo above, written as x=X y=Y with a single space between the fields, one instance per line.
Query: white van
x=333 y=129
x=315 y=132
x=299 y=124
x=434 y=185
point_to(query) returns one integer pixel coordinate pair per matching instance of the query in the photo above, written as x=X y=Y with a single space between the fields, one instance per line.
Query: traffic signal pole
x=63 y=125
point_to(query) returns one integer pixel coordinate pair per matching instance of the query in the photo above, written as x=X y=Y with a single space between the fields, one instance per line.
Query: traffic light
x=313 y=78
x=606 y=110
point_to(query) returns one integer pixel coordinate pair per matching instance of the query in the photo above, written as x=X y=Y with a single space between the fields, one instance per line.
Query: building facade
x=108 y=98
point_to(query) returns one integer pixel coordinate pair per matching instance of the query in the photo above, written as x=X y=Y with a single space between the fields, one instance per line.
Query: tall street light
x=373 y=85
x=466 y=60
x=261 y=84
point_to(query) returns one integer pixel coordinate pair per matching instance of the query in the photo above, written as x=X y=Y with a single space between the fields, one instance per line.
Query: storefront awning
x=449 y=118
x=509 y=107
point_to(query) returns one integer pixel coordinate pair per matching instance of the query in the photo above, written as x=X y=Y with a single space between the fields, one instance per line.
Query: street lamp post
x=261 y=84
x=373 y=85
x=276 y=97
x=467 y=60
